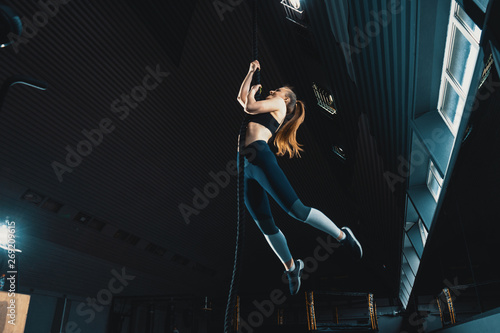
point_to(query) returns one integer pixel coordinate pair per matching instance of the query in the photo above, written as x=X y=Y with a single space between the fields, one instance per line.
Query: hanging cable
x=240 y=228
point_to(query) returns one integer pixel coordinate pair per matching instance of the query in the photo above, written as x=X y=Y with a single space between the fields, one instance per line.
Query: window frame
x=424 y=233
x=457 y=25
x=433 y=174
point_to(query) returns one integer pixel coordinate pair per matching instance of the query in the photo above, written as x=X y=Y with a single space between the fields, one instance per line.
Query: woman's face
x=280 y=92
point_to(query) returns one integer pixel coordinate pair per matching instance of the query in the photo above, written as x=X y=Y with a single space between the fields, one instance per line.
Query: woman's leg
x=272 y=178
x=264 y=169
x=274 y=181
x=258 y=205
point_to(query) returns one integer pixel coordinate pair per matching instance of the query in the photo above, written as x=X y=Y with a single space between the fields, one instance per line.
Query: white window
x=462 y=48
x=434 y=181
x=467 y=22
x=423 y=231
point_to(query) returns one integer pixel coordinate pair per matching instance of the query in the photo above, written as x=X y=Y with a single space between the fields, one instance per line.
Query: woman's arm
x=268 y=105
x=245 y=86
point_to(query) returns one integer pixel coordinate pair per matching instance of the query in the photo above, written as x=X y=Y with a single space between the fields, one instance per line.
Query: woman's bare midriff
x=256 y=132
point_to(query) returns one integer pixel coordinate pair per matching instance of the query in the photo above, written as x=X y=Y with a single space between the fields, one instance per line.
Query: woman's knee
x=299 y=211
x=267 y=227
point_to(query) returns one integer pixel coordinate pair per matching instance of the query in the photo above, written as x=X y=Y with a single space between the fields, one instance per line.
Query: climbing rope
x=240 y=229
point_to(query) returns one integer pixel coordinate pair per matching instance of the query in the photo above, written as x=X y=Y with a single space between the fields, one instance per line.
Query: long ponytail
x=286 y=137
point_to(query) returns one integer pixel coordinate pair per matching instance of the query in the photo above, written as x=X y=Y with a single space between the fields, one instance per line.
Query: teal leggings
x=264 y=176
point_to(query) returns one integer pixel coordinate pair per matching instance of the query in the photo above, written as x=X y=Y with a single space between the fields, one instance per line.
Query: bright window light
x=463 y=56
x=452 y=105
x=294 y=6
x=462 y=49
x=4 y=235
x=295 y=3
x=7 y=237
x=460 y=55
x=423 y=231
x=434 y=181
x=467 y=22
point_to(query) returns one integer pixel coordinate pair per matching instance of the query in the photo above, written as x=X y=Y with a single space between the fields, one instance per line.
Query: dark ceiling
x=159 y=150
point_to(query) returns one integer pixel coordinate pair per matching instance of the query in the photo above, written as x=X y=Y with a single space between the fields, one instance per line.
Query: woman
x=262 y=173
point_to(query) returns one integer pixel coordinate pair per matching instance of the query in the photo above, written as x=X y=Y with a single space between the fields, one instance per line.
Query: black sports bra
x=265 y=119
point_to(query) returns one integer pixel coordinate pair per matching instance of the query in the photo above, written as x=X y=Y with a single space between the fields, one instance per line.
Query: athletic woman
x=263 y=175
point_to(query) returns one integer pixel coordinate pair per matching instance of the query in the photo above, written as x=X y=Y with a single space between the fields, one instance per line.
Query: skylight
x=462 y=48
x=434 y=181
x=423 y=231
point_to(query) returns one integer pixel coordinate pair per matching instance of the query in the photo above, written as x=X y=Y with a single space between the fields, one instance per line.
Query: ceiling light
x=294 y=9
x=339 y=152
x=325 y=99
x=10 y=23
x=295 y=3
x=8 y=236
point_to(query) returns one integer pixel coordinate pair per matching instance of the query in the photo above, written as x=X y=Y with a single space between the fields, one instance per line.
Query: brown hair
x=286 y=137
